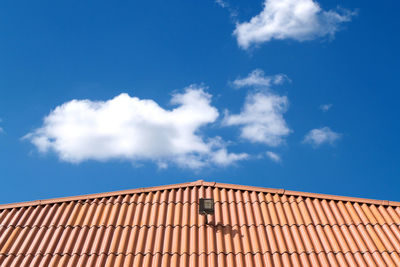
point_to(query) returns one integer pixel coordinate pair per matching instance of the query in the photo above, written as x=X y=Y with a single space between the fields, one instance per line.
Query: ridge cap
x=200 y=183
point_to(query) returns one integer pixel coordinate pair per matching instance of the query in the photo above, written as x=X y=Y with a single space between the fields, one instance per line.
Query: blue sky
x=293 y=94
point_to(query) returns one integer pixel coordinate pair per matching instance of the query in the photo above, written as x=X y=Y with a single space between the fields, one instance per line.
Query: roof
x=160 y=226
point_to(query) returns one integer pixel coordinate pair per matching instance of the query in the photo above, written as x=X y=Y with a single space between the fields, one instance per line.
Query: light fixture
x=206 y=206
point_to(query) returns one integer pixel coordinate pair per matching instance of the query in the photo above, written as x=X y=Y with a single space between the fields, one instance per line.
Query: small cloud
x=1 y=128
x=273 y=156
x=257 y=78
x=222 y=157
x=162 y=165
x=225 y=4
x=261 y=119
x=222 y=3
x=324 y=135
x=325 y=107
x=290 y=19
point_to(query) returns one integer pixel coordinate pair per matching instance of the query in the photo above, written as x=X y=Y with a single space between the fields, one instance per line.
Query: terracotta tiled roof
x=160 y=226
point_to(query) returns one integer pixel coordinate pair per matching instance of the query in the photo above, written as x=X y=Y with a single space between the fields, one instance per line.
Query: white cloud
x=222 y=3
x=317 y=137
x=134 y=129
x=162 y=165
x=222 y=157
x=261 y=119
x=290 y=19
x=1 y=130
x=257 y=78
x=325 y=107
x=273 y=156
x=226 y=5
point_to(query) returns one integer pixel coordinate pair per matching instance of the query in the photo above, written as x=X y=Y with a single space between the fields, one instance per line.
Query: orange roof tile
x=160 y=226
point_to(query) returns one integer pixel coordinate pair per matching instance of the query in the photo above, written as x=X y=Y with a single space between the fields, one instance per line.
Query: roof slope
x=160 y=226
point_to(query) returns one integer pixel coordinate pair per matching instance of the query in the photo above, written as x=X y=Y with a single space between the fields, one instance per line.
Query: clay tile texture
x=161 y=226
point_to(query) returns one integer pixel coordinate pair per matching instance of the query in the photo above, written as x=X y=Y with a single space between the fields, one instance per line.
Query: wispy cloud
x=325 y=107
x=324 y=135
x=135 y=129
x=273 y=156
x=226 y=5
x=222 y=3
x=1 y=128
x=257 y=78
x=222 y=157
x=300 y=20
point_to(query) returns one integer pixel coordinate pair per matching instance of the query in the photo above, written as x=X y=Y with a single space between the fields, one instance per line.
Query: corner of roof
x=203 y=183
x=198 y=182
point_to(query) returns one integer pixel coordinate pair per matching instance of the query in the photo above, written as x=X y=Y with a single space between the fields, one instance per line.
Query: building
x=161 y=226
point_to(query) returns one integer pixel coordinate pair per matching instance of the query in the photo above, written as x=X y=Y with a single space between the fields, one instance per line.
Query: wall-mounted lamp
x=206 y=206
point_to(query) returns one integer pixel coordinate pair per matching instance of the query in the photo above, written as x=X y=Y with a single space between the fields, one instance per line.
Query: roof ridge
x=307 y=194
x=201 y=183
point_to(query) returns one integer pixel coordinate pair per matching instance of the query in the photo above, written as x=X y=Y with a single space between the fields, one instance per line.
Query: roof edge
x=201 y=183
x=311 y=195
x=99 y=195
